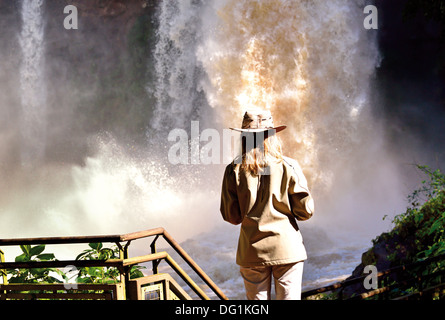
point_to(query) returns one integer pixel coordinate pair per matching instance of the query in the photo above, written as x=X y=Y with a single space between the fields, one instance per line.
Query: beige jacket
x=267 y=206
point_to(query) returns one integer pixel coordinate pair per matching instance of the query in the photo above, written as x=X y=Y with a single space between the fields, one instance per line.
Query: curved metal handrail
x=125 y=261
x=380 y=275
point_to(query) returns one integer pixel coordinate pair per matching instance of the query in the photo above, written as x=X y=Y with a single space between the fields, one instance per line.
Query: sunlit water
x=310 y=62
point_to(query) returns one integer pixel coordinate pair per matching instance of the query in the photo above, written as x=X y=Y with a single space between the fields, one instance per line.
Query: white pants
x=287 y=280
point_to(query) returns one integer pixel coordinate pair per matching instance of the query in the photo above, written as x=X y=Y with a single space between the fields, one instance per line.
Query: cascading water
x=32 y=81
x=109 y=191
x=310 y=62
x=179 y=87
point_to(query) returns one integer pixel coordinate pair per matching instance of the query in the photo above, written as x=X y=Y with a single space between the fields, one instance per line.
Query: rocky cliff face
x=417 y=234
x=389 y=250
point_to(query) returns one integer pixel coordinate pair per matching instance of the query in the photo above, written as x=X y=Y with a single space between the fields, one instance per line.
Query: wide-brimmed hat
x=258 y=121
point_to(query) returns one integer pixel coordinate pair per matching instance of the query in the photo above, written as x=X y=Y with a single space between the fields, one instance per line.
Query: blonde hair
x=260 y=155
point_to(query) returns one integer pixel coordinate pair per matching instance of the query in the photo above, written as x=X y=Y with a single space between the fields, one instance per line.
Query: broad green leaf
x=84 y=253
x=106 y=253
x=22 y=258
x=18 y=279
x=84 y=280
x=26 y=249
x=38 y=271
x=36 y=250
x=46 y=256
x=95 y=271
x=436 y=225
x=96 y=246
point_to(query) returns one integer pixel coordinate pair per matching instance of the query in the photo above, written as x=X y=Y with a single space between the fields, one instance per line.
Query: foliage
x=34 y=275
x=96 y=251
x=98 y=274
x=417 y=234
x=102 y=274
x=425 y=222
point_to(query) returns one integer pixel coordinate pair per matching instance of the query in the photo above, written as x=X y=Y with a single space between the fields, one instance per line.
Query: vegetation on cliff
x=418 y=233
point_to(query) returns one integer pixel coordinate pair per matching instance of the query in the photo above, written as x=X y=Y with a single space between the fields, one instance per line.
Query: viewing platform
x=158 y=286
x=423 y=280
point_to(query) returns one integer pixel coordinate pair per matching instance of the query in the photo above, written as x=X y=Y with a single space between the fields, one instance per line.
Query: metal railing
x=413 y=276
x=123 y=264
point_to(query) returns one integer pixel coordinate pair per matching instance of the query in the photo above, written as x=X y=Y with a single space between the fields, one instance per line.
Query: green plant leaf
x=34 y=251
x=38 y=272
x=85 y=253
x=84 y=280
x=106 y=253
x=96 y=246
x=95 y=271
x=22 y=258
x=46 y=256
x=18 y=279
x=26 y=249
x=436 y=225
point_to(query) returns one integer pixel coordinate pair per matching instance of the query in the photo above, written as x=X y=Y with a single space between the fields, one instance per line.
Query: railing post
x=121 y=256
x=124 y=271
x=3 y=272
x=155 y=263
x=193 y=265
x=127 y=269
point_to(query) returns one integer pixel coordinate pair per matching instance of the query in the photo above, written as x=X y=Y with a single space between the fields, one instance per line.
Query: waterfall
x=177 y=91
x=311 y=63
x=32 y=82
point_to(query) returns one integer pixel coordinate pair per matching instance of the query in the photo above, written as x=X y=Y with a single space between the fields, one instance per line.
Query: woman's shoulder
x=235 y=162
x=291 y=163
x=234 y=165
